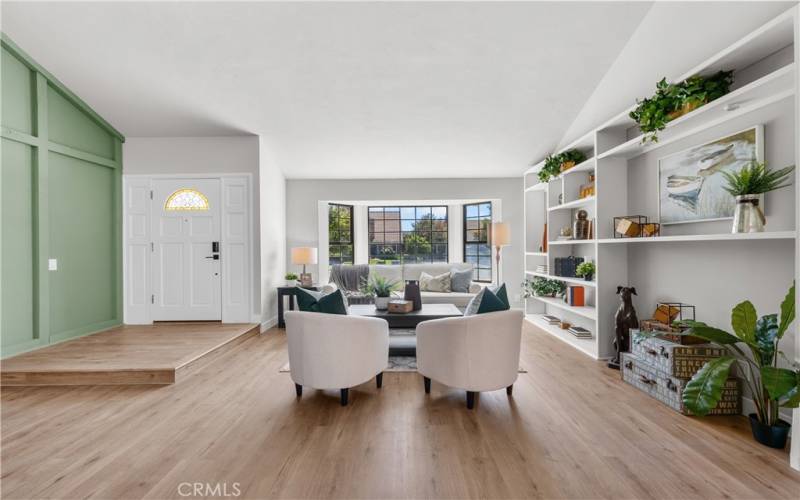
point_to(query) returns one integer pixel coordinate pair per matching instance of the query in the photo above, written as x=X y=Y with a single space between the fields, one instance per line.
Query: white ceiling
x=338 y=90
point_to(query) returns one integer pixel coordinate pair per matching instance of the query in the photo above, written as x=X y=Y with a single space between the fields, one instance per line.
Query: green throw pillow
x=332 y=303
x=502 y=294
x=487 y=301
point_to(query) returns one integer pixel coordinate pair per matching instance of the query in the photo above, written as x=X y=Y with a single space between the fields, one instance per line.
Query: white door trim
x=237 y=238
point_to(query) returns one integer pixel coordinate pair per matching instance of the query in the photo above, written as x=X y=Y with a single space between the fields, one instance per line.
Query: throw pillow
x=460 y=280
x=430 y=283
x=486 y=301
x=331 y=303
x=502 y=294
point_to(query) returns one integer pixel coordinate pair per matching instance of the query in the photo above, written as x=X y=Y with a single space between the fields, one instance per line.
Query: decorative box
x=401 y=306
x=669 y=390
x=674 y=360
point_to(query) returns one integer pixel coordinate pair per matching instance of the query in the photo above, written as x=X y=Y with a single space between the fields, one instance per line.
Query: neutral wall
x=302 y=197
x=273 y=234
x=202 y=155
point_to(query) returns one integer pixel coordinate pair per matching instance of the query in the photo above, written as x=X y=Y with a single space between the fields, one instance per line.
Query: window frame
x=402 y=233
x=341 y=243
x=487 y=242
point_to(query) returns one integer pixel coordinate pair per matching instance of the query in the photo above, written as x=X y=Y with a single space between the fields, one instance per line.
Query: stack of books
x=541 y=268
x=551 y=320
x=575 y=296
x=581 y=333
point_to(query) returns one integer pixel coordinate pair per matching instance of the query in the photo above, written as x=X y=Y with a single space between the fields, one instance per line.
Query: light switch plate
x=52 y=264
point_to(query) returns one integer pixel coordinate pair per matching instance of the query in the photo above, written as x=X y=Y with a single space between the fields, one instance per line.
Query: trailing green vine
x=552 y=164
x=672 y=100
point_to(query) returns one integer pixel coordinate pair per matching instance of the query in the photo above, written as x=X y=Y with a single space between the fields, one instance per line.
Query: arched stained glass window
x=186 y=199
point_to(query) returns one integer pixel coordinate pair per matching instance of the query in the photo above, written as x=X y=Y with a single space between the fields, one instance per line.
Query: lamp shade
x=501 y=234
x=304 y=255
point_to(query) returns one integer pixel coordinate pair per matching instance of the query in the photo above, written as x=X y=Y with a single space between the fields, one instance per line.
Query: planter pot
x=686 y=108
x=773 y=436
x=567 y=165
x=291 y=282
x=588 y=277
x=382 y=303
x=748 y=217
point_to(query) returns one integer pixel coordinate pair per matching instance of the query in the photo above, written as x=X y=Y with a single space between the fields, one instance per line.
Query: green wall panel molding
x=61 y=197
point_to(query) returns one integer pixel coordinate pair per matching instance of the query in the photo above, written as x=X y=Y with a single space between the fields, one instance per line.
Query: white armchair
x=331 y=351
x=475 y=353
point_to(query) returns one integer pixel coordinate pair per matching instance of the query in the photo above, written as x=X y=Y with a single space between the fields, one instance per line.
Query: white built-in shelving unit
x=764 y=90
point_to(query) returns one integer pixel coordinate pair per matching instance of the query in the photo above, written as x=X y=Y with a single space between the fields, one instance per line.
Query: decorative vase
x=748 y=217
x=412 y=293
x=773 y=436
x=291 y=282
x=382 y=303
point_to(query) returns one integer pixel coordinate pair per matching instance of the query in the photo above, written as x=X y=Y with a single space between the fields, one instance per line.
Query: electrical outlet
x=52 y=264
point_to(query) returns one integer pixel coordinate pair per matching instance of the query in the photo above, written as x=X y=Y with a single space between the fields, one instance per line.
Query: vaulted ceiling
x=339 y=90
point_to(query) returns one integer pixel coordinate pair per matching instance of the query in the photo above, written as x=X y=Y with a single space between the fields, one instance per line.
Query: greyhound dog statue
x=624 y=320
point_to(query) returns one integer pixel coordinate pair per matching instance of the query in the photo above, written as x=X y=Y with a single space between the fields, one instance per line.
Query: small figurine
x=565 y=233
x=624 y=320
x=580 y=229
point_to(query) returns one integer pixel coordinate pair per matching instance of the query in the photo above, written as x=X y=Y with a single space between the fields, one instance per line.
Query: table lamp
x=501 y=237
x=304 y=256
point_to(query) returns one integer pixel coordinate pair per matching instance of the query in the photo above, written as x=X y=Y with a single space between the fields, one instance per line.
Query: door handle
x=215 y=257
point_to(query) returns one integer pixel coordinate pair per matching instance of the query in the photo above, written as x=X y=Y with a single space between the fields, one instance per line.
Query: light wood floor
x=571 y=430
x=130 y=354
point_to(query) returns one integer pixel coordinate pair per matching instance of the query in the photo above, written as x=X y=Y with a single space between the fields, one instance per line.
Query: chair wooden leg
x=470 y=400
x=379 y=380
x=427 y=382
x=510 y=389
x=345 y=393
x=298 y=389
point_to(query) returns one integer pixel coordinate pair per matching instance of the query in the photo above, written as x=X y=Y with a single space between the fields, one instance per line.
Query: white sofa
x=404 y=272
x=475 y=353
x=331 y=351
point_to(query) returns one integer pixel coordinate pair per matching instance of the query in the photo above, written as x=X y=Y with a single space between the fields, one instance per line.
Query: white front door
x=185 y=226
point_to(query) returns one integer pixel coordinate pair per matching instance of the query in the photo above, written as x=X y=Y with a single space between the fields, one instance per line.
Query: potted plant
x=557 y=163
x=746 y=186
x=673 y=100
x=543 y=287
x=771 y=387
x=380 y=288
x=585 y=270
x=291 y=279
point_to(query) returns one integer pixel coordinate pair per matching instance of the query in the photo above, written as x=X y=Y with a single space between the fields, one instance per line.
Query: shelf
x=536 y=254
x=767 y=90
x=541 y=186
x=584 y=166
x=570 y=242
x=768 y=235
x=587 y=346
x=585 y=311
x=573 y=204
x=572 y=281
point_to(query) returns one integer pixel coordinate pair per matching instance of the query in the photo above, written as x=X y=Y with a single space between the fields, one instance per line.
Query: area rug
x=396 y=364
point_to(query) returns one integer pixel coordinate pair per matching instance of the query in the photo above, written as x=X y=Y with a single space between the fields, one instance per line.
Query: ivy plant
x=543 y=287
x=673 y=99
x=552 y=164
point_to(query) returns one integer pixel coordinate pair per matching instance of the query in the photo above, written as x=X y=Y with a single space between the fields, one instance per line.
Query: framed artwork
x=690 y=186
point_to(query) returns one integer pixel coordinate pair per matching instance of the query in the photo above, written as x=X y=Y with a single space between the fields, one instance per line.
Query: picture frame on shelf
x=690 y=185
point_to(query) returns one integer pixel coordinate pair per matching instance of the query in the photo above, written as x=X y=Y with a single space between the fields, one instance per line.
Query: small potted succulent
x=543 y=287
x=586 y=270
x=380 y=288
x=291 y=279
x=746 y=186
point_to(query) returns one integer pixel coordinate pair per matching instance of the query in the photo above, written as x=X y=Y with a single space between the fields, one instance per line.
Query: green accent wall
x=61 y=198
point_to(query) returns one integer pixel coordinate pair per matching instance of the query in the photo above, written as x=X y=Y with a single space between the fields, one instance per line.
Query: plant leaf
x=787 y=312
x=704 y=391
x=711 y=334
x=766 y=338
x=743 y=320
x=779 y=382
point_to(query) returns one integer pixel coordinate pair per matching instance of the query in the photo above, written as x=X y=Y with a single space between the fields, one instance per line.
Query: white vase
x=382 y=303
x=291 y=282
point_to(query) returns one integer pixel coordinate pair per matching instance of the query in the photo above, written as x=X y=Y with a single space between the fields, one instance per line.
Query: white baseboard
x=266 y=325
